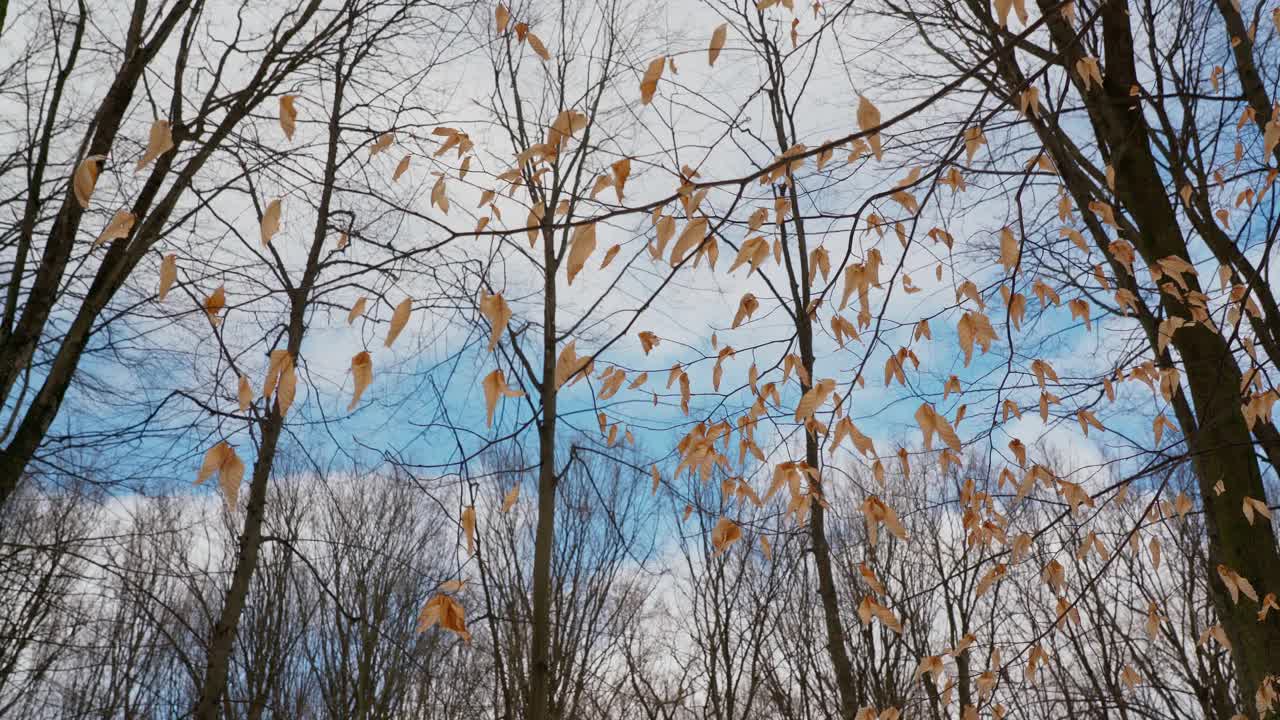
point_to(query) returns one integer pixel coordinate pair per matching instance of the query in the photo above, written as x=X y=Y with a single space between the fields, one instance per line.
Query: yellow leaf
x=281 y=379
x=1010 y=249
x=362 y=374
x=399 y=319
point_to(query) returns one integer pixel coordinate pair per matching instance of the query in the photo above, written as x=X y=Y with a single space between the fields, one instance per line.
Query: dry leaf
x=119 y=227
x=495 y=387
x=168 y=274
x=717 y=43
x=446 y=611
x=159 y=142
x=270 y=221
x=399 y=319
x=535 y=42
x=382 y=143
x=244 y=394
x=214 y=303
x=86 y=179
x=495 y=309
x=469 y=527
x=724 y=534
x=580 y=249
x=222 y=459
x=362 y=374
x=868 y=119
x=288 y=115
x=401 y=167
x=357 y=310
x=509 y=500
x=649 y=83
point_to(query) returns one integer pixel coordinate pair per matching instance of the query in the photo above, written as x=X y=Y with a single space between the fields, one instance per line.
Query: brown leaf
x=469 y=527
x=495 y=309
x=357 y=310
x=580 y=249
x=717 y=43
x=86 y=178
x=399 y=319
x=724 y=534
x=168 y=274
x=868 y=119
x=930 y=421
x=446 y=611
x=509 y=501
x=159 y=142
x=535 y=42
x=270 y=221
x=362 y=374
x=621 y=170
x=495 y=387
x=692 y=236
x=610 y=255
x=222 y=459
x=382 y=142
x=288 y=115
x=649 y=83
x=215 y=303
x=648 y=341
x=401 y=168
x=119 y=227
x=244 y=394
x=746 y=308
x=439 y=196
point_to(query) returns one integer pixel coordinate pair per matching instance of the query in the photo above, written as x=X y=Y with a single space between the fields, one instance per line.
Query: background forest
x=719 y=359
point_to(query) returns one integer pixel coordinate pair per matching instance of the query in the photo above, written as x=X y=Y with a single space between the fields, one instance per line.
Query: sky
x=425 y=407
